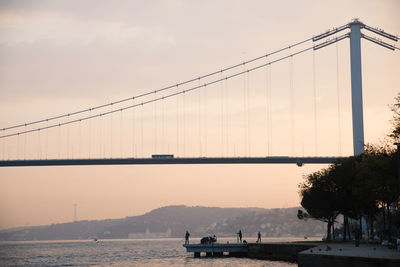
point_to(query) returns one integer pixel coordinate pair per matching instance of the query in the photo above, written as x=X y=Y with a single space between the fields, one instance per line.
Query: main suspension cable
x=155 y=91
x=159 y=98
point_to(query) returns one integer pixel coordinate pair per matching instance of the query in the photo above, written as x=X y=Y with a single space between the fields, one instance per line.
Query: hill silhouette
x=173 y=221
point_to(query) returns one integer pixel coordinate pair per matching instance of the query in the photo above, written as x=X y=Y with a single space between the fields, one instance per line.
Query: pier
x=218 y=249
x=272 y=251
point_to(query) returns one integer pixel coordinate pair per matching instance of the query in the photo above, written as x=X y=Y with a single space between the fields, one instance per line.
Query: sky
x=57 y=57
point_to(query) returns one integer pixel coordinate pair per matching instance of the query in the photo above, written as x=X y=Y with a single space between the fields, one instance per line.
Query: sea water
x=126 y=252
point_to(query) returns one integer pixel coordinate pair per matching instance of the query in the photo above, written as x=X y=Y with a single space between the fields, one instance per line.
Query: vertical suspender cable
x=248 y=115
x=205 y=119
x=24 y=145
x=270 y=111
x=39 y=155
x=59 y=142
x=315 y=107
x=292 y=130
x=120 y=133
x=68 y=139
x=47 y=139
x=101 y=137
x=155 y=123
x=199 y=118
x=17 y=154
x=244 y=111
x=111 y=134
x=41 y=152
x=177 y=123
x=226 y=117
x=162 y=126
x=222 y=115
x=267 y=123
x=90 y=136
x=79 y=139
x=338 y=102
x=133 y=130
x=266 y=110
x=6 y=151
x=184 y=124
x=141 y=130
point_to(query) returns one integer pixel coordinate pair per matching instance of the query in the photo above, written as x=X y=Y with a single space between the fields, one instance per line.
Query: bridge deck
x=145 y=161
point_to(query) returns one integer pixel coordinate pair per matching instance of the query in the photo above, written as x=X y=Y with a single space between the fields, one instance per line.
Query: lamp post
x=398 y=166
x=398 y=181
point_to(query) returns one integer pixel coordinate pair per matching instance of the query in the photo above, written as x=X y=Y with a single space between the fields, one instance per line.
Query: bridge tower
x=356 y=87
x=355 y=68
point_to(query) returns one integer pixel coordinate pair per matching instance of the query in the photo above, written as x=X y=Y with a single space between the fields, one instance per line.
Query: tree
x=395 y=133
x=320 y=198
x=343 y=174
x=357 y=186
x=377 y=180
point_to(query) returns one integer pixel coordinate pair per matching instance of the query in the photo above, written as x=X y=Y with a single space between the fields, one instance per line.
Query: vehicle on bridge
x=162 y=156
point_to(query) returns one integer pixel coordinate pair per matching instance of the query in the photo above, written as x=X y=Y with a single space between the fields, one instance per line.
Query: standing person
x=357 y=237
x=187 y=237
x=240 y=236
x=259 y=237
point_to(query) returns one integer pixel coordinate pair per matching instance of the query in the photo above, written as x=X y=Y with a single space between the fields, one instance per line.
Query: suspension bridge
x=98 y=123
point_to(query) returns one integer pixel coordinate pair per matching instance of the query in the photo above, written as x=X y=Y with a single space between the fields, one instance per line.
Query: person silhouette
x=240 y=236
x=187 y=237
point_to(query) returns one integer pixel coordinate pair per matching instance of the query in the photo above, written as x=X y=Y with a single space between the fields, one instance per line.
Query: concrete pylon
x=356 y=87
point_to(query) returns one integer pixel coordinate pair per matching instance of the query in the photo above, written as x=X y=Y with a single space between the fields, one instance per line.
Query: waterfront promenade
x=347 y=254
x=306 y=254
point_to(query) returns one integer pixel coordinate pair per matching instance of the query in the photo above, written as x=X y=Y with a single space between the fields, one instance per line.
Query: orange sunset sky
x=58 y=57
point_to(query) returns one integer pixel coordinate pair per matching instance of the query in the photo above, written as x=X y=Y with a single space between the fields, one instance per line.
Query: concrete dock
x=348 y=255
x=273 y=251
x=218 y=249
x=306 y=254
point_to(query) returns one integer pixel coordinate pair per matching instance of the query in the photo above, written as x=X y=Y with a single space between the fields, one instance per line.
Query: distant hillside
x=173 y=221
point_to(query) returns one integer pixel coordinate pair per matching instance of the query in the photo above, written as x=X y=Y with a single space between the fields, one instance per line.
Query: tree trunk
x=384 y=222
x=389 y=222
x=350 y=228
x=361 y=230
x=328 y=235
x=372 y=228
x=333 y=231
x=344 y=227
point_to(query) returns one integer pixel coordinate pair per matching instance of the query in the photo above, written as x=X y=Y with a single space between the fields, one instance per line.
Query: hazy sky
x=58 y=57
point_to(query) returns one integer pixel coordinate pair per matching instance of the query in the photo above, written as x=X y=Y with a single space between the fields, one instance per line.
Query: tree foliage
x=395 y=133
x=357 y=186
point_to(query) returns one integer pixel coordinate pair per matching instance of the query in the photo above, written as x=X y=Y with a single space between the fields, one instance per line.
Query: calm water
x=131 y=252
